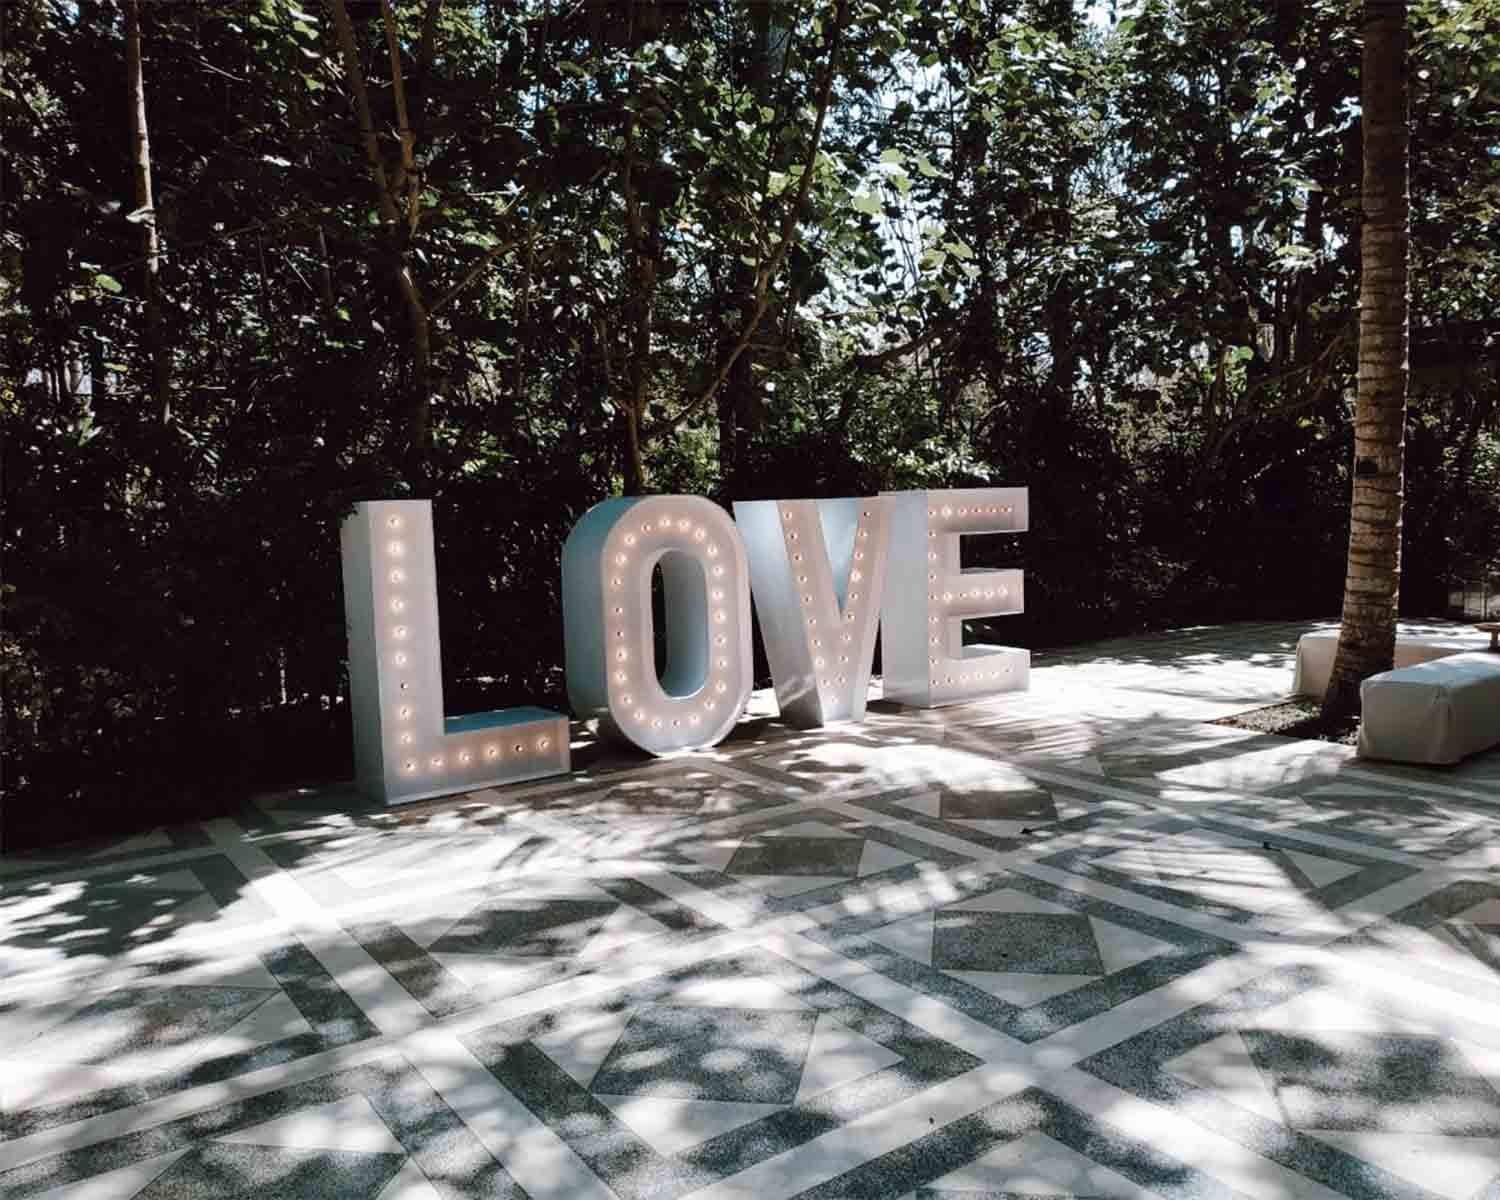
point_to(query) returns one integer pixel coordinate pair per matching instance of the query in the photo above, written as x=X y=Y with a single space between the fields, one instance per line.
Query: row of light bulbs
x=793 y=538
x=720 y=616
x=994 y=510
x=396 y=549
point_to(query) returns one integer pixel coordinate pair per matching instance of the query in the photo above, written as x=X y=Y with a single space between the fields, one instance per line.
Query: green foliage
x=1114 y=262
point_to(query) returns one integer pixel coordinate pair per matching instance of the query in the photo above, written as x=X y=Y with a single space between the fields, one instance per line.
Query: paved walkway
x=1077 y=942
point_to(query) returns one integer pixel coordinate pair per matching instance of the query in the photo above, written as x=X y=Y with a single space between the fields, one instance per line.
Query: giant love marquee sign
x=825 y=574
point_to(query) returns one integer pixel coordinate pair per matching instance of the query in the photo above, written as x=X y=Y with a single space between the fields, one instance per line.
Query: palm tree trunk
x=1372 y=580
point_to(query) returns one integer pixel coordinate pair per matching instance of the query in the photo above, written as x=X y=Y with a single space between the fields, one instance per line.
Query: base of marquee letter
x=984 y=671
x=501 y=748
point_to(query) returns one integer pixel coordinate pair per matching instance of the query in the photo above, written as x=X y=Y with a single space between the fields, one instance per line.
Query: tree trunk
x=399 y=229
x=1372 y=581
x=156 y=349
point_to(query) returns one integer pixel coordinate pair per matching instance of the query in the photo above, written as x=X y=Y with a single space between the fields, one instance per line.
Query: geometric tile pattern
x=1080 y=941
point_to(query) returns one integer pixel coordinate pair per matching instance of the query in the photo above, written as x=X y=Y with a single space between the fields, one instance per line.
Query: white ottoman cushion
x=1436 y=712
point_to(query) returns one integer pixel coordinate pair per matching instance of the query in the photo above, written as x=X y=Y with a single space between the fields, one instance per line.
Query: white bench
x=1315 y=653
x=1435 y=712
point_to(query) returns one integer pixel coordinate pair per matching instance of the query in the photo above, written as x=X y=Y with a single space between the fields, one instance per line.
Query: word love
x=826 y=575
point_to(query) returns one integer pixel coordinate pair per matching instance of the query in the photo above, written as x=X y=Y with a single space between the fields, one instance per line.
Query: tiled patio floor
x=1072 y=943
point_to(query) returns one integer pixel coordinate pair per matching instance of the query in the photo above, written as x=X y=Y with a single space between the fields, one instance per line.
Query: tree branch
x=408 y=170
x=769 y=270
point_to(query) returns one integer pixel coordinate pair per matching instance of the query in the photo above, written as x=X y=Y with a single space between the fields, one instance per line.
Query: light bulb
x=816 y=643
x=786 y=514
x=801 y=578
x=932 y=512
x=405 y=713
x=684 y=524
x=796 y=558
x=718 y=594
x=630 y=539
x=867 y=512
x=621 y=655
x=720 y=617
x=855 y=576
x=394 y=522
x=694 y=719
x=806 y=599
x=404 y=685
x=543 y=743
x=708 y=705
x=492 y=752
x=817 y=662
x=409 y=765
x=396 y=549
x=436 y=761
x=794 y=535
x=621 y=677
x=616 y=582
x=640 y=714
x=853 y=596
x=619 y=610
x=843 y=658
x=721 y=687
x=646 y=527
x=721 y=640
x=947 y=511
x=622 y=559
x=619 y=633
x=407 y=739
x=398 y=605
x=656 y=724
x=845 y=638
x=864 y=533
x=699 y=534
x=398 y=575
x=811 y=621
x=858 y=554
x=401 y=660
x=627 y=701
x=713 y=550
x=947 y=597
x=718 y=571
x=465 y=757
x=723 y=664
